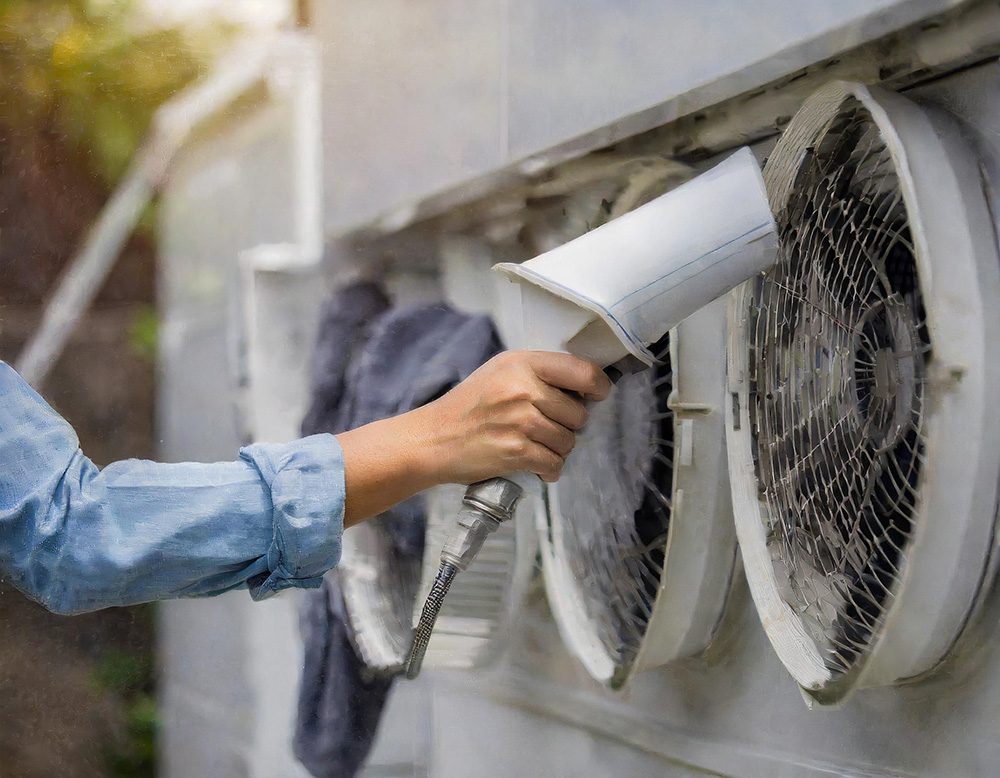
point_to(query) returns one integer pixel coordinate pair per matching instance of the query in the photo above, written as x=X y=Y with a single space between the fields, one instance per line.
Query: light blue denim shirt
x=76 y=538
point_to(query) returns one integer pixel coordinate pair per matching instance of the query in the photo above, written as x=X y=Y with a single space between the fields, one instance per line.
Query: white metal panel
x=422 y=97
x=571 y=73
x=413 y=99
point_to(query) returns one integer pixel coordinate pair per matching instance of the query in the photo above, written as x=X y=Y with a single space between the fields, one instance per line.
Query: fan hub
x=885 y=371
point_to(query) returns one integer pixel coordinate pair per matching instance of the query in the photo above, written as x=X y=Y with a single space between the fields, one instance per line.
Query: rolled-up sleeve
x=78 y=538
x=303 y=479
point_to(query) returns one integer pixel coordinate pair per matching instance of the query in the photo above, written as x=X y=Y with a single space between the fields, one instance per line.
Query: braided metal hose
x=485 y=507
x=428 y=616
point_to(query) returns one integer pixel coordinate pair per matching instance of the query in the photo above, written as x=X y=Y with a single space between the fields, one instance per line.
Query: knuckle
x=496 y=364
x=594 y=379
x=509 y=364
x=519 y=395
x=507 y=358
x=597 y=378
x=534 y=395
x=513 y=446
x=580 y=417
x=523 y=391
x=534 y=420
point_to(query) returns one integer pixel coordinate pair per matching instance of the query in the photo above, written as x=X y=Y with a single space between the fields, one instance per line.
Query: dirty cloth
x=76 y=538
x=370 y=362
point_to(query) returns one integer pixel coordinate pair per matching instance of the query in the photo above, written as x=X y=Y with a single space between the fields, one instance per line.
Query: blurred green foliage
x=131 y=752
x=124 y=673
x=143 y=333
x=137 y=758
x=92 y=72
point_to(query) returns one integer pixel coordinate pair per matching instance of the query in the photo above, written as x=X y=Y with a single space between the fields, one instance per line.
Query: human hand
x=519 y=411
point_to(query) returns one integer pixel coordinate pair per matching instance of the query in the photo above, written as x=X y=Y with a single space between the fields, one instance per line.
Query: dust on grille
x=615 y=496
x=838 y=347
x=380 y=583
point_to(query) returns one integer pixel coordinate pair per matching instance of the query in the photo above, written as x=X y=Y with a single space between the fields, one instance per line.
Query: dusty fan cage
x=638 y=548
x=863 y=371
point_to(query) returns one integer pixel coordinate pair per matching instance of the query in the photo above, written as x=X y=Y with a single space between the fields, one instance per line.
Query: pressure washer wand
x=486 y=505
x=609 y=294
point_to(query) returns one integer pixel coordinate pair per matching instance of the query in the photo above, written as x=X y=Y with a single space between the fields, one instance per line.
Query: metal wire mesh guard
x=613 y=506
x=838 y=344
x=863 y=474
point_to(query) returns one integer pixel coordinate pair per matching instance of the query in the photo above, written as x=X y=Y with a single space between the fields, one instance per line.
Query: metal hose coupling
x=485 y=507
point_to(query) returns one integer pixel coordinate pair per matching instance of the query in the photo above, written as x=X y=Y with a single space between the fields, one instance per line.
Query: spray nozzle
x=485 y=507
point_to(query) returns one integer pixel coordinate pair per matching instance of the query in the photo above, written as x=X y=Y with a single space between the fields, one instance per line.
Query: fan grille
x=837 y=353
x=380 y=581
x=478 y=602
x=615 y=499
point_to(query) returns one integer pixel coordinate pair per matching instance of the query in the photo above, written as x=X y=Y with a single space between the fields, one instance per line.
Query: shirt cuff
x=306 y=483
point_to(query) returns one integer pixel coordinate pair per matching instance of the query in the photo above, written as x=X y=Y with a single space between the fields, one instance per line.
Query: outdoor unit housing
x=530 y=102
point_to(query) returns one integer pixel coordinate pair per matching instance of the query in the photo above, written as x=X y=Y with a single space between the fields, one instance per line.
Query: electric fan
x=863 y=377
x=639 y=547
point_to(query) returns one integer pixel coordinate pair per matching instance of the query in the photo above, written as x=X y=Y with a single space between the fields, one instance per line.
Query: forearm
x=137 y=532
x=385 y=463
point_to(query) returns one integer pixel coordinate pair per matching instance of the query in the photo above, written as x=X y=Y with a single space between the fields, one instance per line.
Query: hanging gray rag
x=370 y=363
